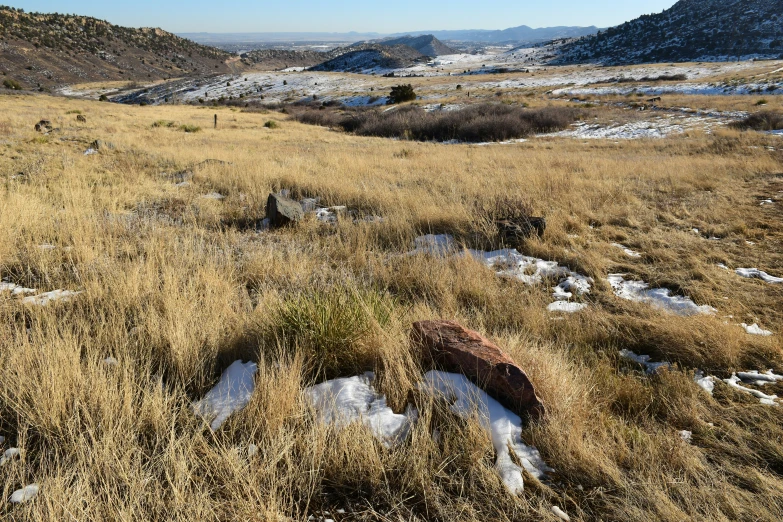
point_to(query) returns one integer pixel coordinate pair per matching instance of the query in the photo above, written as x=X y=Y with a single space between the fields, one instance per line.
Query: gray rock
x=512 y=231
x=44 y=126
x=282 y=211
x=102 y=145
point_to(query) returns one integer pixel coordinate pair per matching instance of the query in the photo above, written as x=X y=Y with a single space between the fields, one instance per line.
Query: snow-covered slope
x=692 y=30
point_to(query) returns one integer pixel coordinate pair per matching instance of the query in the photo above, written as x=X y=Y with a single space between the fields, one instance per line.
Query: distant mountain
x=47 y=50
x=218 y=39
x=521 y=34
x=691 y=30
x=427 y=44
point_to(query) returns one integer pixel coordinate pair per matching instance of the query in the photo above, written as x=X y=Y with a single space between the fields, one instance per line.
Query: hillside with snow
x=692 y=30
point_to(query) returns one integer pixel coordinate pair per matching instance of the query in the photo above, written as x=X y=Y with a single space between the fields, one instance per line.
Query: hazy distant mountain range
x=521 y=34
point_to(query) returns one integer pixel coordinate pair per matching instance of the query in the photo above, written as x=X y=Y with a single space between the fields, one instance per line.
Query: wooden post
x=216 y=121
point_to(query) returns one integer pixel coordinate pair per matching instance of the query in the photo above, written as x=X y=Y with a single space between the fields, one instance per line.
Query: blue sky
x=350 y=15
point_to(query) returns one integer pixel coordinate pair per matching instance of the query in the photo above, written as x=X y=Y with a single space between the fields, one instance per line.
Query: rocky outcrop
x=282 y=211
x=454 y=348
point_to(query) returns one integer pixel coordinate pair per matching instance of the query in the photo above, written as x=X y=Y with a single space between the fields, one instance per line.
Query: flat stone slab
x=456 y=349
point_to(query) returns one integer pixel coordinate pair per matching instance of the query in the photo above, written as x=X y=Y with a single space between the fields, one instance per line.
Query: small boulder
x=514 y=230
x=101 y=145
x=44 y=126
x=282 y=211
x=449 y=345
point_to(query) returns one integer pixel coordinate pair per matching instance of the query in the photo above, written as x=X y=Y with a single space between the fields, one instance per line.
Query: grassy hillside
x=46 y=50
x=176 y=286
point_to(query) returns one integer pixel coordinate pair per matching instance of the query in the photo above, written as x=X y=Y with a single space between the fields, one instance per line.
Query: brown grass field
x=177 y=286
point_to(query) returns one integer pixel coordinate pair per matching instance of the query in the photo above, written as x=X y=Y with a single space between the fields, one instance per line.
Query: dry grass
x=177 y=286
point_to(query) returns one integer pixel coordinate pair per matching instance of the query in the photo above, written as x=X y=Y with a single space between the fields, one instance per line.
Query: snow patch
x=759 y=379
x=734 y=382
x=566 y=307
x=15 y=289
x=755 y=272
x=50 y=297
x=706 y=383
x=343 y=401
x=661 y=298
x=644 y=360
x=25 y=494
x=754 y=329
x=9 y=455
x=503 y=426
x=231 y=394
x=628 y=251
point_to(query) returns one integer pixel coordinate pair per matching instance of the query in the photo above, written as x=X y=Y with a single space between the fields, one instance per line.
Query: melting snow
x=760 y=379
x=49 y=297
x=644 y=360
x=628 y=251
x=640 y=291
x=9 y=455
x=754 y=329
x=15 y=289
x=566 y=307
x=755 y=272
x=706 y=383
x=341 y=402
x=231 y=394
x=504 y=426
x=25 y=494
x=533 y=271
x=559 y=513
x=734 y=382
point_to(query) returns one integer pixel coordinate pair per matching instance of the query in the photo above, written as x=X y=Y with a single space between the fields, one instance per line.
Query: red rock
x=454 y=348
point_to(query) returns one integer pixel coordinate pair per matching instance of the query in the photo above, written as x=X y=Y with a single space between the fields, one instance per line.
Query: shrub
x=477 y=123
x=12 y=84
x=761 y=102
x=761 y=121
x=271 y=124
x=163 y=123
x=401 y=94
x=189 y=128
x=103 y=98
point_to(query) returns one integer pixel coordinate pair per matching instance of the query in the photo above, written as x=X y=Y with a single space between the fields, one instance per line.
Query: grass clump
x=164 y=123
x=271 y=124
x=334 y=327
x=761 y=121
x=189 y=128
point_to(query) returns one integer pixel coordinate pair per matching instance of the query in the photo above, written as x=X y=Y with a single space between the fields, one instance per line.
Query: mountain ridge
x=691 y=30
x=41 y=51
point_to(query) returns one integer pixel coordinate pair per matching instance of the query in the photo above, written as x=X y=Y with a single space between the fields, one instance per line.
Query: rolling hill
x=691 y=30
x=426 y=44
x=46 y=50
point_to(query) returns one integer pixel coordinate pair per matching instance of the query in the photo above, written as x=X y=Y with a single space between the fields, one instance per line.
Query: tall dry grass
x=177 y=286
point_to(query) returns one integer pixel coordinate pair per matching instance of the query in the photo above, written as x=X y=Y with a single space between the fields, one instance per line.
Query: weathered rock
x=515 y=230
x=81 y=119
x=44 y=126
x=456 y=349
x=282 y=211
x=102 y=145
